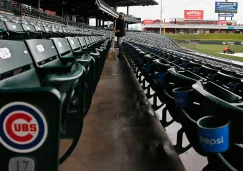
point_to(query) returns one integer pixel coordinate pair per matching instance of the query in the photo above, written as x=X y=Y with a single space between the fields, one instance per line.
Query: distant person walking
x=120 y=32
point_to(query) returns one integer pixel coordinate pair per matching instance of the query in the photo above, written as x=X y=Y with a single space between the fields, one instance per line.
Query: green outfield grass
x=214 y=50
x=219 y=37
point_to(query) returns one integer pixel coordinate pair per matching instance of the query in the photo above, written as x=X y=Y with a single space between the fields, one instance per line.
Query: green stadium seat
x=22 y=92
x=42 y=31
x=77 y=50
x=221 y=103
x=31 y=31
x=67 y=56
x=16 y=31
x=68 y=79
x=3 y=31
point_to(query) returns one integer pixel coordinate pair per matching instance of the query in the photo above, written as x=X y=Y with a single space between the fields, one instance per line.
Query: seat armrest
x=56 y=70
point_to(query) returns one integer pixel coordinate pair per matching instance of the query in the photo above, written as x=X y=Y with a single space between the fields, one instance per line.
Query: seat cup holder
x=233 y=86
x=213 y=134
x=195 y=69
x=160 y=78
x=140 y=61
x=182 y=97
x=147 y=68
x=185 y=65
x=212 y=76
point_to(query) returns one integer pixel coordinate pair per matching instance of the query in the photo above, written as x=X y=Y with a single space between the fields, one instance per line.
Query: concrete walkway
x=118 y=133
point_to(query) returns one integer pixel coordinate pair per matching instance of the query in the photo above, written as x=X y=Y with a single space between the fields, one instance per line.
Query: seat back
x=91 y=40
x=63 y=47
x=14 y=27
x=82 y=42
x=87 y=41
x=28 y=27
x=3 y=29
x=43 y=53
x=47 y=29
x=74 y=43
x=20 y=94
x=16 y=66
x=224 y=79
x=160 y=67
x=205 y=70
x=16 y=31
x=221 y=93
x=183 y=78
x=40 y=28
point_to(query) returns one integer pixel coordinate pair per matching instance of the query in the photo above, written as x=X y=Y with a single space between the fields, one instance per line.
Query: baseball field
x=215 y=37
x=212 y=49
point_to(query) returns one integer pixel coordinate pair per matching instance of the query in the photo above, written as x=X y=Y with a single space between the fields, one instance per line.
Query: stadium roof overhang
x=122 y=3
x=103 y=9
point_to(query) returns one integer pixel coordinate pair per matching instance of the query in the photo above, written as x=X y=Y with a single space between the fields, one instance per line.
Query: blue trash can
x=147 y=68
x=185 y=65
x=213 y=134
x=212 y=76
x=160 y=78
x=233 y=86
x=182 y=97
x=195 y=69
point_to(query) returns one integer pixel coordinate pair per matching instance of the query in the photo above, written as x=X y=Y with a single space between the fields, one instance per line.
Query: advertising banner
x=147 y=22
x=222 y=22
x=193 y=14
x=226 y=15
x=208 y=42
x=226 y=7
x=235 y=27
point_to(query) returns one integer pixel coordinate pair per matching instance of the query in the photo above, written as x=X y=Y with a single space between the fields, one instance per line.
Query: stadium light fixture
x=161 y=12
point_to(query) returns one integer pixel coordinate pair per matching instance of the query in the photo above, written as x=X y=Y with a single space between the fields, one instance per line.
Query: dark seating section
x=191 y=89
x=48 y=75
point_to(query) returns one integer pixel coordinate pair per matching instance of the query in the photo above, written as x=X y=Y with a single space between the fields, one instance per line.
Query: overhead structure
x=83 y=10
x=124 y=3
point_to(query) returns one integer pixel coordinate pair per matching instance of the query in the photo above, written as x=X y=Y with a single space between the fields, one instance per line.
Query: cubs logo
x=23 y=128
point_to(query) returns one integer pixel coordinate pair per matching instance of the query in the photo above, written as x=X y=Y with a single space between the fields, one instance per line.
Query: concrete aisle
x=117 y=135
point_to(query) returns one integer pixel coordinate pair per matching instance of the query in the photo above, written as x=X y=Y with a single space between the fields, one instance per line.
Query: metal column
x=97 y=22
x=161 y=11
x=127 y=14
x=38 y=4
x=103 y=23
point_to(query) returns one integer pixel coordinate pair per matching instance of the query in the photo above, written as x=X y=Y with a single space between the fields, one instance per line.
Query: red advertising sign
x=147 y=21
x=193 y=14
x=222 y=22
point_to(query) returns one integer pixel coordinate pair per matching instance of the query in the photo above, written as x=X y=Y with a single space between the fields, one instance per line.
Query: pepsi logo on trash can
x=181 y=96
x=23 y=127
x=213 y=134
